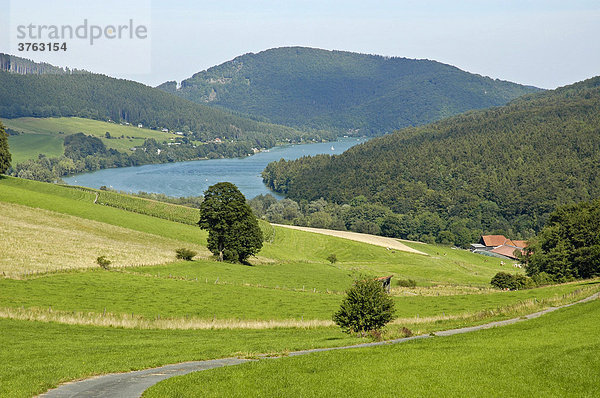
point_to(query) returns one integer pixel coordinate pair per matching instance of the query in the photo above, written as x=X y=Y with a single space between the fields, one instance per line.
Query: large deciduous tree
x=5 y=157
x=233 y=231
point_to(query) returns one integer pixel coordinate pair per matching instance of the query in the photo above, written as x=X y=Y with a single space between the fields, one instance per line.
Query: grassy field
x=36 y=356
x=85 y=321
x=552 y=356
x=444 y=265
x=167 y=211
x=79 y=243
x=46 y=135
x=28 y=146
x=93 y=291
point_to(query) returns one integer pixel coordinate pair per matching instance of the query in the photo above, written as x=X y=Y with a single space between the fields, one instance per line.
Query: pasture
x=78 y=320
x=62 y=242
x=46 y=135
x=551 y=356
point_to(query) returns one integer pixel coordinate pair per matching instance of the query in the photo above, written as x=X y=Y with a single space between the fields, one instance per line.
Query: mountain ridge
x=29 y=89
x=341 y=90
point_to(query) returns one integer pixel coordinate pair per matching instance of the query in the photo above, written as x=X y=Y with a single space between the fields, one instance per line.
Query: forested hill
x=10 y=63
x=101 y=97
x=502 y=168
x=306 y=87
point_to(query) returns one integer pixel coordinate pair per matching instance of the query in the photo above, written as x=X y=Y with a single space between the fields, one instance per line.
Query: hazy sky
x=545 y=43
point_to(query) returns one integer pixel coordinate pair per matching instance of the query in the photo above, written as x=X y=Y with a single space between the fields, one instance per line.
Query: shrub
x=332 y=258
x=185 y=254
x=103 y=262
x=522 y=282
x=406 y=283
x=504 y=280
x=366 y=307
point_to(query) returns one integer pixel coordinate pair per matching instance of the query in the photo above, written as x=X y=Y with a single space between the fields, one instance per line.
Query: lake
x=192 y=178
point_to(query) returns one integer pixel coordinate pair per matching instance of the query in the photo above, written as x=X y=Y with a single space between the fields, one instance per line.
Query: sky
x=543 y=43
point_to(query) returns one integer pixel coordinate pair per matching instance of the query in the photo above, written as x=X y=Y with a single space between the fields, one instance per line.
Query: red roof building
x=493 y=240
x=520 y=243
x=507 y=251
x=500 y=245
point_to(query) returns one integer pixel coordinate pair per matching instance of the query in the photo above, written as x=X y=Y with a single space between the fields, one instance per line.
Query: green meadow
x=67 y=319
x=37 y=356
x=46 y=135
x=552 y=356
x=28 y=146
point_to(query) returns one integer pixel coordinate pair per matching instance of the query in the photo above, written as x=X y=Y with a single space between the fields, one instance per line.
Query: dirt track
x=365 y=238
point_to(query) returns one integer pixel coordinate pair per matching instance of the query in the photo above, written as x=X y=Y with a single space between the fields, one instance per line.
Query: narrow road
x=133 y=384
x=365 y=238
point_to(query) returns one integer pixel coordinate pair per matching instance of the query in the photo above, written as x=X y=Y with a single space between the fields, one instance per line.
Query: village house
x=498 y=246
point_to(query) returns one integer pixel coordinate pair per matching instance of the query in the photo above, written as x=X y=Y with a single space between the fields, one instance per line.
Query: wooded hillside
x=344 y=91
x=503 y=169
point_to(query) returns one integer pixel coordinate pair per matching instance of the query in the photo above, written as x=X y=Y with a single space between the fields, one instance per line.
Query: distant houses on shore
x=499 y=246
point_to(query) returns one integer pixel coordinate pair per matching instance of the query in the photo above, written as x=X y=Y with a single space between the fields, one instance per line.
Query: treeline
x=101 y=97
x=364 y=217
x=85 y=153
x=343 y=91
x=568 y=247
x=10 y=63
x=504 y=169
x=5 y=156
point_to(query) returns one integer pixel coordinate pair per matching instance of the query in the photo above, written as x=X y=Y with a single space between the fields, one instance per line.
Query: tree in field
x=569 y=245
x=5 y=157
x=366 y=307
x=233 y=231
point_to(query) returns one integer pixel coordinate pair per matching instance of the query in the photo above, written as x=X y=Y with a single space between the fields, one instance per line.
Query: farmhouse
x=498 y=246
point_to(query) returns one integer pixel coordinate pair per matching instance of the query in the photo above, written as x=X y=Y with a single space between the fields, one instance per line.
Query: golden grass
x=131 y=321
x=39 y=241
x=440 y=290
x=389 y=243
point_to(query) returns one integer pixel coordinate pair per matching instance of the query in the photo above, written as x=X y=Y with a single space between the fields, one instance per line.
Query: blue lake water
x=194 y=177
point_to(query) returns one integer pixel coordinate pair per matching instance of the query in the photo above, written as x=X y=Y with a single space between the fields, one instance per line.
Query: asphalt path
x=133 y=384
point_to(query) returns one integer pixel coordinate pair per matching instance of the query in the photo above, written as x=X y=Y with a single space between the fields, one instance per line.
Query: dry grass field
x=376 y=240
x=30 y=238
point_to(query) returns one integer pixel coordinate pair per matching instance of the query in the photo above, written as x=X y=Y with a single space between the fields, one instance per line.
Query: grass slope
x=46 y=135
x=291 y=280
x=35 y=356
x=28 y=146
x=79 y=241
x=120 y=293
x=551 y=356
x=448 y=266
